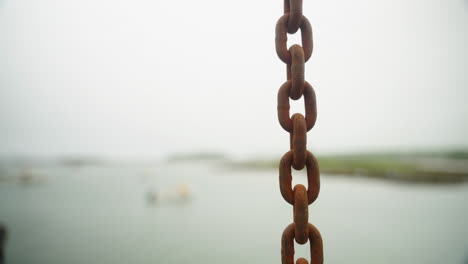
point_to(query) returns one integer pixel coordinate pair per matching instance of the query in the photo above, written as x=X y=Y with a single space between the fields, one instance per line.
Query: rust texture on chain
x=297 y=125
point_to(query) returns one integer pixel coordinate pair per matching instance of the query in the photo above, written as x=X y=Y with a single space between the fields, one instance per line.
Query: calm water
x=101 y=215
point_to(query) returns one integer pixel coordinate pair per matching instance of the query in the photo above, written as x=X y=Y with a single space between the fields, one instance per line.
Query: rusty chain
x=298 y=156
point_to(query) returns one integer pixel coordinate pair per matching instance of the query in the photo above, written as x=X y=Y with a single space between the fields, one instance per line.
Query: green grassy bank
x=417 y=167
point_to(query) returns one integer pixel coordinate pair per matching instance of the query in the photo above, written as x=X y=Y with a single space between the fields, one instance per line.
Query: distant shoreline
x=437 y=167
x=417 y=167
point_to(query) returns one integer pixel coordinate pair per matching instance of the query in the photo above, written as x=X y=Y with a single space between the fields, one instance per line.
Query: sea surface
x=110 y=214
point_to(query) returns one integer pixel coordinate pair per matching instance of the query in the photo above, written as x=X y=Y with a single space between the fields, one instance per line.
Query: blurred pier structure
x=3 y=238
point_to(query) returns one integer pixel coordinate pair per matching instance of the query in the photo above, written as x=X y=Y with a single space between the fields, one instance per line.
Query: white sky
x=141 y=77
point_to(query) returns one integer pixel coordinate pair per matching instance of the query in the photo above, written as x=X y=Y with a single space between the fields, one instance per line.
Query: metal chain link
x=298 y=157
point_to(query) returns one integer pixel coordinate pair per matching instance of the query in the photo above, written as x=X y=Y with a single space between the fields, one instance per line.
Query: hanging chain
x=298 y=157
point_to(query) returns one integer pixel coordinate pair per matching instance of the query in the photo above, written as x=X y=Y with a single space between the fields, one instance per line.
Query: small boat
x=178 y=193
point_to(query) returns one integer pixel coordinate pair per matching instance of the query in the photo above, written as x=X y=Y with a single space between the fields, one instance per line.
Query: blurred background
x=146 y=131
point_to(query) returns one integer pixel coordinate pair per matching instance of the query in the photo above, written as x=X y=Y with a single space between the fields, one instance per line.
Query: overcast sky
x=141 y=77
